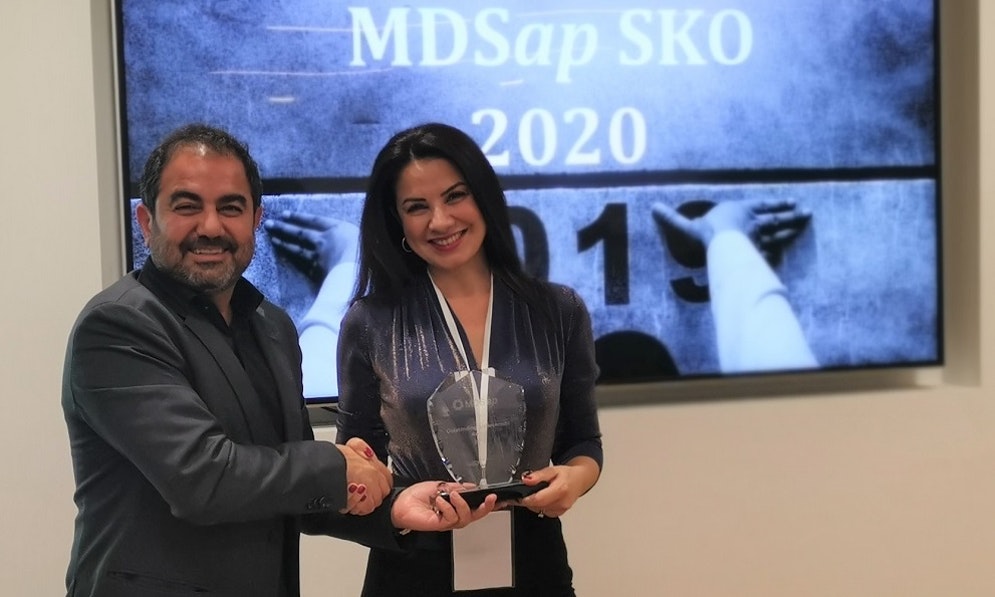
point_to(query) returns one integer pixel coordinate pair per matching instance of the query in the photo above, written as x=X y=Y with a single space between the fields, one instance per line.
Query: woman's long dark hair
x=385 y=268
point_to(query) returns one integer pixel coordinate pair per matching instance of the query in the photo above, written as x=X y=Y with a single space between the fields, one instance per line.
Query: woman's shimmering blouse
x=393 y=357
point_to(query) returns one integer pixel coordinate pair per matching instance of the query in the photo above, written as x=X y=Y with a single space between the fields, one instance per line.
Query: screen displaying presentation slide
x=804 y=133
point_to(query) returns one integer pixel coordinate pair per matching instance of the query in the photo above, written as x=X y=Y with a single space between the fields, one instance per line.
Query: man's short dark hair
x=215 y=139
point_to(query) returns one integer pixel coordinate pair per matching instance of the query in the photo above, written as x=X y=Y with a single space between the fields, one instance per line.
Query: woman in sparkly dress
x=441 y=291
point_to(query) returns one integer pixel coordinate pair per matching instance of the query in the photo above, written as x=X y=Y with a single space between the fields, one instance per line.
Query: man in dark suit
x=195 y=463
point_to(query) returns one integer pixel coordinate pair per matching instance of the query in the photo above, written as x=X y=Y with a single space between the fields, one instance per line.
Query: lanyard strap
x=480 y=394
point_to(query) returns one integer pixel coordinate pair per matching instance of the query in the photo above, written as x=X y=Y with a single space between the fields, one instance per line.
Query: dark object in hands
x=505 y=491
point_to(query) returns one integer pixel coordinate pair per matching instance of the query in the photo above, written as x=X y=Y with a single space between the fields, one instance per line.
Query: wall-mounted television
x=592 y=112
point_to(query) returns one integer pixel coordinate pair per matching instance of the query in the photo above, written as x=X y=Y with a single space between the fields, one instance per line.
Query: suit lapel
x=253 y=416
x=275 y=350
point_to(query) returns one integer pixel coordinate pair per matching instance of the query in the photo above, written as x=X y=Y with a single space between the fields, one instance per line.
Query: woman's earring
x=404 y=245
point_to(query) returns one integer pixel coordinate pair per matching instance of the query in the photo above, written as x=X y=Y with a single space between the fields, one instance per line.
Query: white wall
x=825 y=486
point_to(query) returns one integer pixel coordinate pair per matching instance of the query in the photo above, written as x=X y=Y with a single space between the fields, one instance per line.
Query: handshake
x=425 y=506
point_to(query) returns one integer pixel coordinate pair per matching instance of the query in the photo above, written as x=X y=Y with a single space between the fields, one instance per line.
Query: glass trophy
x=478 y=423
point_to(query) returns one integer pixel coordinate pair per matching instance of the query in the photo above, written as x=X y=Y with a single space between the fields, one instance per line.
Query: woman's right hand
x=421 y=507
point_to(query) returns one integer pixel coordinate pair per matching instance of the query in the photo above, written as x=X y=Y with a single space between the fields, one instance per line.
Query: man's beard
x=209 y=280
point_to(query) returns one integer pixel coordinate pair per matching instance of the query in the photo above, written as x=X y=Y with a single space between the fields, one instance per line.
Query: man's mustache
x=224 y=243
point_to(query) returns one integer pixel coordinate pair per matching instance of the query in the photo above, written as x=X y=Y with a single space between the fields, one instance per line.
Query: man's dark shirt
x=240 y=336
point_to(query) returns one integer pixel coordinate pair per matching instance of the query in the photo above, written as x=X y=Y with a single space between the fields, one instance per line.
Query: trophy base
x=513 y=490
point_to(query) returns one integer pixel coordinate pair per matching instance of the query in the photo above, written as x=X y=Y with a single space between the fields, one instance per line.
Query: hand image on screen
x=314 y=243
x=325 y=250
x=756 y=327
x=769 y=224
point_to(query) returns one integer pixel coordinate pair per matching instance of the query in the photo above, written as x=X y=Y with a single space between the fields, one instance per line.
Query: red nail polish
x=369 y=452
x=361 y=489
x=362 y=499
x=352 y=488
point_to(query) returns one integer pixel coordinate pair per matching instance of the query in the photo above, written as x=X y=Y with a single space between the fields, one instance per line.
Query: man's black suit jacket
x=180 y=486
